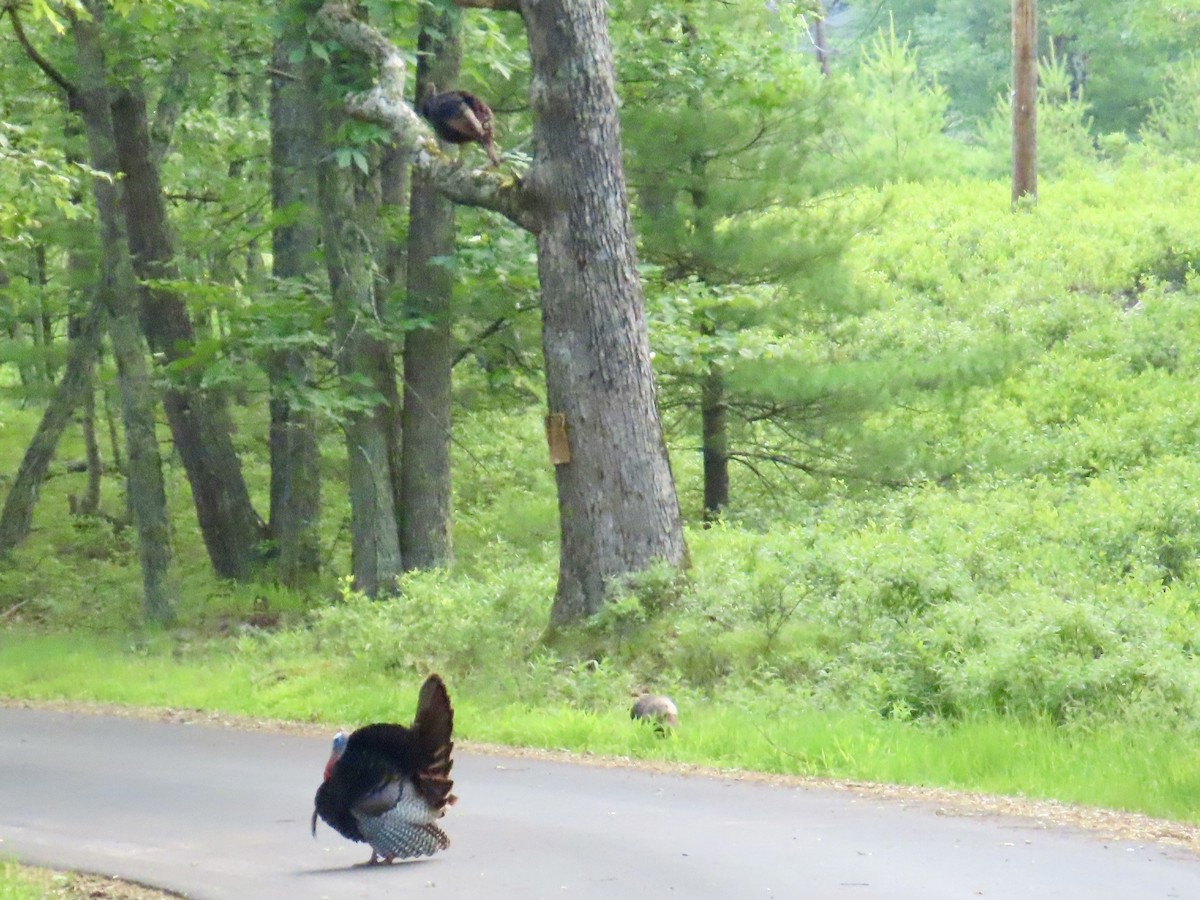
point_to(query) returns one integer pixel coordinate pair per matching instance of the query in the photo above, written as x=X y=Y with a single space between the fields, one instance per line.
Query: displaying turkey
x=459 y=117
x=387 y=785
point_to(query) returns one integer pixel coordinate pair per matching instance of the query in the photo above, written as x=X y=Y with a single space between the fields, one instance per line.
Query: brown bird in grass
x=460 y=117
x=659 y=710
x=387 y=785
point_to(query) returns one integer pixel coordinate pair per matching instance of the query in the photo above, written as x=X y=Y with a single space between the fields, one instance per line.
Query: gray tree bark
x=295 y=454
x=72 y=389
x=429 y=347
x=617 y=504
x=348 y=212
x=200 y=422
x=118 y=292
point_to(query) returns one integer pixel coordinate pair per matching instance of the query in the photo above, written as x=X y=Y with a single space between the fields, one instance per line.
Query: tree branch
x=384 y=104
x=42 y=63
x=491 y=329
x=498 y=5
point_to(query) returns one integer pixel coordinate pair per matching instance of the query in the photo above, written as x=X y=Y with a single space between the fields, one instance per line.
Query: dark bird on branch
x=388 y=785
x=460 y=118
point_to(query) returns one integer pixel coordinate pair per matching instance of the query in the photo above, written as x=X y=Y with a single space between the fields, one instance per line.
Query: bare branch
x=385 y=104
x=492 y=328
x=498 y=5
x=42 y=63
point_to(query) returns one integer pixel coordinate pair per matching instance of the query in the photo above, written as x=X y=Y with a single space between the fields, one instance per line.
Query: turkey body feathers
x=460 y=117
x=391 y=782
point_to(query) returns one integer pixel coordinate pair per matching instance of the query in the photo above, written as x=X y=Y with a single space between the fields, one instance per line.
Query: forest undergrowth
x=1005 y=600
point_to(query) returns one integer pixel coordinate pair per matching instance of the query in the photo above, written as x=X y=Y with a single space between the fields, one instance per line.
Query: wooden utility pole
x=1024 y=108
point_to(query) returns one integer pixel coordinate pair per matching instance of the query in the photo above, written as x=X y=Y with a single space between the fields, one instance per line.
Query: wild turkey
x=459 y=117
x=388 y=785
x=659 y=710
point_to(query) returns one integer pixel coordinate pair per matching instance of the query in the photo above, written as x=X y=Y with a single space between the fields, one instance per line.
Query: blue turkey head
x=339 y=747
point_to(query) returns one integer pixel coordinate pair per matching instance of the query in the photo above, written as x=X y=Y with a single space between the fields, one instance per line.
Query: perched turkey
x=460 y=118
x=657 y=709
x=388 y=785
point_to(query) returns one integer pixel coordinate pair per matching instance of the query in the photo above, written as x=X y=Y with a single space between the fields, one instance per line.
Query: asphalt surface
x=216 y=813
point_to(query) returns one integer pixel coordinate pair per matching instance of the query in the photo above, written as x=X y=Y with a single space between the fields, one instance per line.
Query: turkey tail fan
x=434 y=725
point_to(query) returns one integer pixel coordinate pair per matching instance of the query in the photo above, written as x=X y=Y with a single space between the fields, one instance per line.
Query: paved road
x=217 y=813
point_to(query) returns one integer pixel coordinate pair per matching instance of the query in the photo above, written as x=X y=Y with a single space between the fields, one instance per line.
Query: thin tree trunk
x=76 y=383
x=41 y=327
x=364 y=361
x=715 y=443
x=617 y=504
x=428 y=348
x=393 y=197
x=820 y=39
x=714 y=437
x=200 y=422
x=1024 y=110
x=89 y=504
x=114 y=438
x=78 y=327
x=81 y=277
x=295 y=453
x=118 y=292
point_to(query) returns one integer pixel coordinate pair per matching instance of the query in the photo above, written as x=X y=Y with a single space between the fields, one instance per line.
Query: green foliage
x=1173 y=125
x=15 y=884
x=994 y=539
x=897 y=118
x=1064 y=128
x=1117 y=50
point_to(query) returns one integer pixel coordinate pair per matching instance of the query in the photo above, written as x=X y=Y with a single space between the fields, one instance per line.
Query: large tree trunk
x=617 y=503
x=364 y=361
x=429 y=348
x=1024 y=111
x=118 y=291
x=75 y=385
x=295 y=454
x=199 y=420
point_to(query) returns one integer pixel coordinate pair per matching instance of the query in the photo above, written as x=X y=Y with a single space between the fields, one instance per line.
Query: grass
x=28 y=883
x=1119 y=767
x=1015 y=608
x=19 y=884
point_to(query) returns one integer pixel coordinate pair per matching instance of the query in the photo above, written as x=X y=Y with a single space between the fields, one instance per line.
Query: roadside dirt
x=1114 y=825
x=80 y=886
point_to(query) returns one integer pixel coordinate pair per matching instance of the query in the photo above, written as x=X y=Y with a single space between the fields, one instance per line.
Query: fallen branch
x=12 y=609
